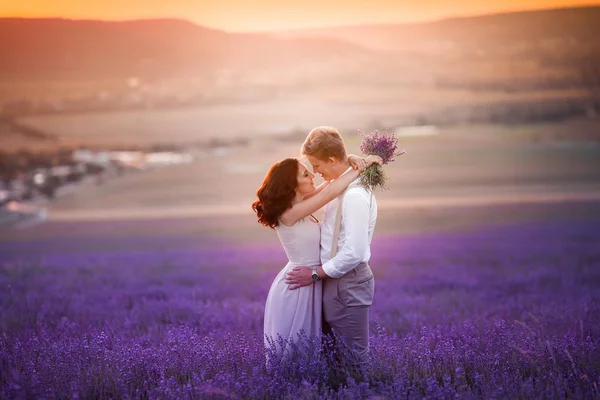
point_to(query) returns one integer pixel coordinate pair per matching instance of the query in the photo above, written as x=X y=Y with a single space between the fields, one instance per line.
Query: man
x=348 y=283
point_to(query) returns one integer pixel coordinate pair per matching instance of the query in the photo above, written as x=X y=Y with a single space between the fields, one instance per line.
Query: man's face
x=322 y=167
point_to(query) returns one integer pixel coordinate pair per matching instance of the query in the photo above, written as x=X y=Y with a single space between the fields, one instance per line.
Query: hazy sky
x=249 y=15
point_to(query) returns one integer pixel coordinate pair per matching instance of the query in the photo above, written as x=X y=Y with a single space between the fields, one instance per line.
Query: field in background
x=460 y=176
x=454 y=162
x=295 y=110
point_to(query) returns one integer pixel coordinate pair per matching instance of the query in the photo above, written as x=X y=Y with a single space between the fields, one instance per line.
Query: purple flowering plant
x=506 y=311
x=385 y=145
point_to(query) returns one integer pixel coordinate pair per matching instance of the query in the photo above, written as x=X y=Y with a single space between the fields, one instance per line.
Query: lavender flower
x=506 y=311
x=384 y=145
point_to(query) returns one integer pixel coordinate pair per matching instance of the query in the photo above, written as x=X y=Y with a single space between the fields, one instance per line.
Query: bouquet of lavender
x=384 y=145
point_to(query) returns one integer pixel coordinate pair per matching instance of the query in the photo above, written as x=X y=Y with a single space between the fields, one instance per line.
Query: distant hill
x=554 y=27
x=536 y=48
x=164 y=47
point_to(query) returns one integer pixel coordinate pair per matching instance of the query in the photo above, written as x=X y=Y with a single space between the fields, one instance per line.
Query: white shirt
x=359 y=214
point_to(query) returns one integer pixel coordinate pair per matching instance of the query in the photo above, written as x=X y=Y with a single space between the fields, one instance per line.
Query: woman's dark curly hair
x=276 y=192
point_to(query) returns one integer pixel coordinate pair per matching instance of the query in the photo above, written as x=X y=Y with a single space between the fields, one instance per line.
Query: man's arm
x=356 y=214
x=302 y=276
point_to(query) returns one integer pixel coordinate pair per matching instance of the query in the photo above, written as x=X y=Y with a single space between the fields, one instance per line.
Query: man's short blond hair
x=323 y=142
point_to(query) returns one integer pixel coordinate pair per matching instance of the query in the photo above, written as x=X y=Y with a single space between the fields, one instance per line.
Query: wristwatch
x=315 y=275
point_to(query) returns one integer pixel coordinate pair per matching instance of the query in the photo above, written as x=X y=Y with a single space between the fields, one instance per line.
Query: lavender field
x=508 y=311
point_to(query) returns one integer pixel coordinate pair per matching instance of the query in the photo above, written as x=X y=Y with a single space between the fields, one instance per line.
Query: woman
x=286 y=201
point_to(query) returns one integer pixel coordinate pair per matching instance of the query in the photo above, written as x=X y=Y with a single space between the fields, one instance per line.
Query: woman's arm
x=311 y=205
x=356 y=162
x=330 y=192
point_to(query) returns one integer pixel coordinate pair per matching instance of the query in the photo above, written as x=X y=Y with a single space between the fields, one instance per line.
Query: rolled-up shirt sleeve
x=355 y=217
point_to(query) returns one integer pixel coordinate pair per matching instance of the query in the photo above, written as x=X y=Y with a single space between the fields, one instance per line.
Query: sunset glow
x=245 y=15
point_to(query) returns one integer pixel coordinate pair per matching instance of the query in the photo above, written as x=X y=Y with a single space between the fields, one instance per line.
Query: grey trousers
x=346 y=303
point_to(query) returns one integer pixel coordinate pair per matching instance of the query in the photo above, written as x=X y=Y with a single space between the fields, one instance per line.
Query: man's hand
x=299 y=277
x=357 y=162
x=373 y=159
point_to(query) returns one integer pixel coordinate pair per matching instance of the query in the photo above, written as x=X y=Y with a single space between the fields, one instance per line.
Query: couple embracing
x=327 y=285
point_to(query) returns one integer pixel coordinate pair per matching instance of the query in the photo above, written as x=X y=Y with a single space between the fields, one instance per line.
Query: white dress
x=290 y=312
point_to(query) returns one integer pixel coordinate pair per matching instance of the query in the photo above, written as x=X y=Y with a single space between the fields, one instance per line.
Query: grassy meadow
x=458 y=165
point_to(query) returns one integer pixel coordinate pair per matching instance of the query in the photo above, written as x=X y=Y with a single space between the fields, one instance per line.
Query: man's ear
x=334 y=160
